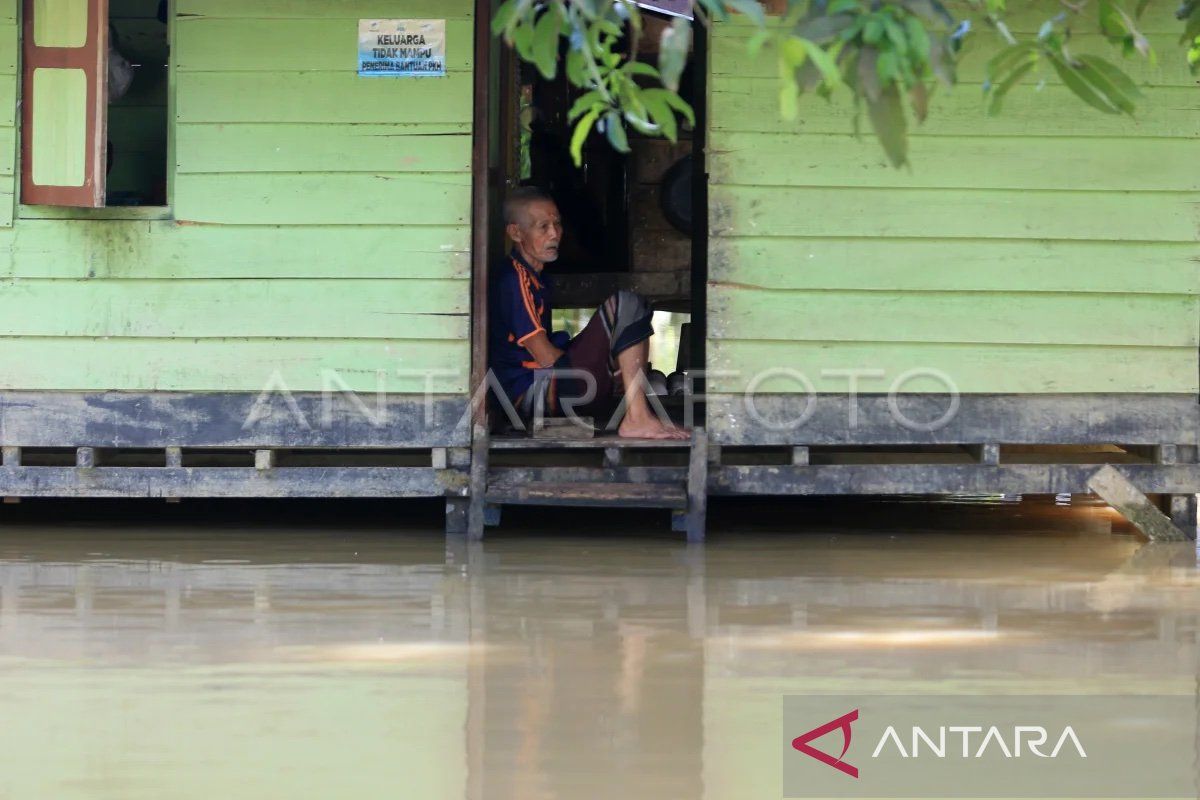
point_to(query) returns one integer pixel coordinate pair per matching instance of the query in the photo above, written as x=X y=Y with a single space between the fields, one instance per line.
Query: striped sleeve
x=523 y=321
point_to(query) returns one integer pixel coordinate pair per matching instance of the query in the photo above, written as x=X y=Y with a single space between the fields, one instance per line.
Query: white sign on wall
x=402 y=48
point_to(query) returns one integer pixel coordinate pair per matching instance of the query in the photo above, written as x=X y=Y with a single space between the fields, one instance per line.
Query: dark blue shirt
x=520 y=302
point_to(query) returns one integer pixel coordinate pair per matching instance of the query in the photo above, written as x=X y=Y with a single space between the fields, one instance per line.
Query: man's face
x=540 y=233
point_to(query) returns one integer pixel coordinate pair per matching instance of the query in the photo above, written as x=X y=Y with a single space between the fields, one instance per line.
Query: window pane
x=59 y=127
x=60 y=23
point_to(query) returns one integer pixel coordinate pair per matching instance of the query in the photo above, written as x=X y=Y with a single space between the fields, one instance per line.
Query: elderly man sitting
x=538 y=366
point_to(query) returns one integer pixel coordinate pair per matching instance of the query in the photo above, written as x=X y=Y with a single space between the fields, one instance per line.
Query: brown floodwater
x=569 y=656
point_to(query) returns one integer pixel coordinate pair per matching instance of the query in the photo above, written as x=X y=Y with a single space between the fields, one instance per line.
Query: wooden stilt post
x=12 y=459
x=987 y=454
x=477 y=509
x=1116 y=490
x=697 y=487
x=174 y=460
x=1181 y=508
x=457 y=514
x=458 y=506
x=1183 y=513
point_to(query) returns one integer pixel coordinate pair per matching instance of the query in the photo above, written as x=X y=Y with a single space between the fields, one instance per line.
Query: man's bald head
x=516 y=205
x=532 y=221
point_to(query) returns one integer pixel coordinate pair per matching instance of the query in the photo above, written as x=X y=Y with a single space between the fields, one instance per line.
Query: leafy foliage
x=1189 y=13
x=888 y=55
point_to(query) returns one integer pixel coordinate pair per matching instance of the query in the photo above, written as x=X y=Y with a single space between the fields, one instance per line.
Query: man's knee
x=631 y=304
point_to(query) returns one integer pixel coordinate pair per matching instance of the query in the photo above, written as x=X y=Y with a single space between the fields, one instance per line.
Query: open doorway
x=628 y=218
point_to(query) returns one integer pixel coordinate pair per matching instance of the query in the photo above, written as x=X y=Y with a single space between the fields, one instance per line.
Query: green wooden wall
x=1049 y=249
x=319 y=221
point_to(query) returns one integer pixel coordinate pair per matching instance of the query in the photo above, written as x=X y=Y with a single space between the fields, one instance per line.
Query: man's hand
x=543 y=352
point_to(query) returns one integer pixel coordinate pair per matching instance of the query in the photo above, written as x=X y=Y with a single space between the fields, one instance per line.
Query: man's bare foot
x=650 y=428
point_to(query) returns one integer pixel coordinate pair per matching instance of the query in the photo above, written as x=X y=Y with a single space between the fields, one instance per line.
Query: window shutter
x=64 y=102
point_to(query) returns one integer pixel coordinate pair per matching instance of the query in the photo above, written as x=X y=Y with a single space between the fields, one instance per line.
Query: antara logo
x=990 y=739
x=1033 y=737
x=801 y=743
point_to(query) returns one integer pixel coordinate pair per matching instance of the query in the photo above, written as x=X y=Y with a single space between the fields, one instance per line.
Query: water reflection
x=243 y=664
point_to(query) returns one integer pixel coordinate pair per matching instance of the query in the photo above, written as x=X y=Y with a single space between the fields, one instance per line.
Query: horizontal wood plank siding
x=158 y=249
x=319 y=230
x=236 y=365
x=252 y=308
x=1050 y=249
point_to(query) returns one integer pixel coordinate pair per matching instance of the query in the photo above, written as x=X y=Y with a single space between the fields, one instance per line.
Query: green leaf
x=1001 y=89
x=891 y=127
x=1110 y=82
x=792 y=52
x=608 y=26
x=823 y=61
x=579 y=136
x=755 y=43
x=873 y=30
x=824 y=29
x=661 y=112
x=848 y=35
x=614 y=129
x=887 y=66
x=789 y=100
x=1008 y=59
x=918 y=95
x=505 y=15
x=931 y=10
x=1079 y=86
x=751 y=8
x=522 y=39
x=586 y=102
x=545 y=43
x=842 y=7
x=1192 y=30
x=641 y=68
x=808 y=77
x=576 y=68
x=715 y=8
x=918 y=38
x=896 y=34
x=941 y=60
x=1111 y=24
x=679 y=104
x=590 y=8
x=1113 y=74
x=868 y=74
x=673 y=52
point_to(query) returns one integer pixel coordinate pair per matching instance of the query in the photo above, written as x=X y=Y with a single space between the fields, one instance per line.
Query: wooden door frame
x=699 y=275
x=482 y=180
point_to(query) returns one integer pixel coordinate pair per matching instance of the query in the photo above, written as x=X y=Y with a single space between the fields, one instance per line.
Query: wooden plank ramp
x=613 y=482
x=612 y=495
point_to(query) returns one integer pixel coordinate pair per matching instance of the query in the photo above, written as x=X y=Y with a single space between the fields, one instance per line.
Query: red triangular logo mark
x=801 y=743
